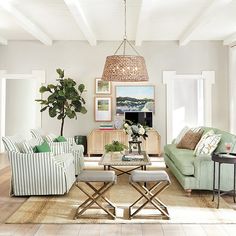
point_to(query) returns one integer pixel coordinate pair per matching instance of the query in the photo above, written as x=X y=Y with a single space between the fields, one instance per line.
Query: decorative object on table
x=106 y=127
x=102 y=108
x=115 y=146
x=124 y=67
x=102 y=86
x=133 y=158
x=118 y=121
x=65 y=99
x=135 y=98
x=135 y=131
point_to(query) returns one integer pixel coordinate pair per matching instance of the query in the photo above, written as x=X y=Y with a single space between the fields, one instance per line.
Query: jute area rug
x=198 y=208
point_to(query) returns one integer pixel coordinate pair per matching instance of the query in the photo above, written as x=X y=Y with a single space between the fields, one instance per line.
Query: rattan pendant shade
x=125 y=68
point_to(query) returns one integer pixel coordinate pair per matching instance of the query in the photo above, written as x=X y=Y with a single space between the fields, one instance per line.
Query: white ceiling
x=94 y=20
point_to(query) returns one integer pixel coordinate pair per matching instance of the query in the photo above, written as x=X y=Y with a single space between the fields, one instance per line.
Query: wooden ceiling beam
x=201 y=18
x=27 y=24
x=78 y=14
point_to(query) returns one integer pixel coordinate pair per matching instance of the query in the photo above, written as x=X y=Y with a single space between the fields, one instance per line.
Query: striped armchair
x=38 y=173
x=62 y=147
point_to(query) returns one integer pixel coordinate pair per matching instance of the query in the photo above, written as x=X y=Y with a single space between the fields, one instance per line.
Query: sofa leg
x=188 y=191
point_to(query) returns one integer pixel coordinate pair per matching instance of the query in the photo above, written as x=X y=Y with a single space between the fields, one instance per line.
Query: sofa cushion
x=190 y=140
x=182 y=158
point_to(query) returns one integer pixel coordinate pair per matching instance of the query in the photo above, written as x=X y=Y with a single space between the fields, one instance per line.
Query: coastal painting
x=135 y=98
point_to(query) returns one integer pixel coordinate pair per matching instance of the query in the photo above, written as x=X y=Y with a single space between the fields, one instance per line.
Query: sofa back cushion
x=10 y=143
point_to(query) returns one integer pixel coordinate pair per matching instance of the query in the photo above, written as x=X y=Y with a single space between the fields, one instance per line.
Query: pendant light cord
x=125 y=36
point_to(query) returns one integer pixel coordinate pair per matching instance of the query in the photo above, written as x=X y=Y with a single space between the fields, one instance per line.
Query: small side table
x=223 y=158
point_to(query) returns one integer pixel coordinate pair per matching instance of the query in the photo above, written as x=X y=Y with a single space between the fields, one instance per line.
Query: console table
x=97 y=139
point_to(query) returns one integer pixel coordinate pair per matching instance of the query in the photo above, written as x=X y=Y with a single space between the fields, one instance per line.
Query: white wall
x=232 y=88
x=83 y=63
x=20 y=109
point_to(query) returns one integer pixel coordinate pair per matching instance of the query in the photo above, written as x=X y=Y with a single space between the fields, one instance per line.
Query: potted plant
x=65 y=99
x=115 y=147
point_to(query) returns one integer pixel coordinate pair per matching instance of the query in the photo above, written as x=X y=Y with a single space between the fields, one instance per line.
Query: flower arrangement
x=135 y=130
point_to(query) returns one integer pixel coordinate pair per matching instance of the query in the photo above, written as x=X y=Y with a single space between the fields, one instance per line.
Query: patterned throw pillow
x=190 y=140
x=207 y=144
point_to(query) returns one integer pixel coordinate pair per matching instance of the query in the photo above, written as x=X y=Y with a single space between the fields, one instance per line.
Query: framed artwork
x=102 y=108
x=102 y=87
x=135 y=98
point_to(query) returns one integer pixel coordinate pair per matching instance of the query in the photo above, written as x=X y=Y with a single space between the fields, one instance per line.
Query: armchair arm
x=59 y=147
x=34 y=173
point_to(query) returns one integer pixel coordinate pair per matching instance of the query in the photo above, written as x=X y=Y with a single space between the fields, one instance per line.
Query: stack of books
x=106 y=127
x=133 y=158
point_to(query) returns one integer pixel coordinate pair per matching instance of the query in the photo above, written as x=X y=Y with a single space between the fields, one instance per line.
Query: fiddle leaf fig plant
x=64 y=100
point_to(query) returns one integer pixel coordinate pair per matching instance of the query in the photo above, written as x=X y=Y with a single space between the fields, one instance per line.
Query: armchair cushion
x=60 y=139
x=44 y=147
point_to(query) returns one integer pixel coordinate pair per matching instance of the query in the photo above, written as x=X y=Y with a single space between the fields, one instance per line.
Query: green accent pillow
x=60 y=139
x=44 y=147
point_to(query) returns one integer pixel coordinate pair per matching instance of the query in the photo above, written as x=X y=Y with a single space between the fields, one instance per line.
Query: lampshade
x=125 y=68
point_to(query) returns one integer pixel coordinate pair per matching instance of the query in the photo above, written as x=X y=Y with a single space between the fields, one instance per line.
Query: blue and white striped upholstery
x=38 y=173
x=63 y=147
x=41 y=173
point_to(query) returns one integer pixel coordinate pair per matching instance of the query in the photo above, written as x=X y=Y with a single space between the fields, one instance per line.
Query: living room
x=184 y=81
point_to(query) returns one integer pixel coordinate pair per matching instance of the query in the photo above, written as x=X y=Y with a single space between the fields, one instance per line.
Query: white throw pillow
x=50 y=137
x=181 y=134
x=207 y=144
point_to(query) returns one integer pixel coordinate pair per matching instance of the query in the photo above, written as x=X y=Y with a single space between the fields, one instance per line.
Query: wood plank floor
x=8 y=205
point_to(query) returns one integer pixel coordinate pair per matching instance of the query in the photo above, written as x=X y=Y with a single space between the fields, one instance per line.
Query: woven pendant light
x=125 y=68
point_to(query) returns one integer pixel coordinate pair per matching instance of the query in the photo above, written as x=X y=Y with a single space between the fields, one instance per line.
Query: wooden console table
x=97 y=139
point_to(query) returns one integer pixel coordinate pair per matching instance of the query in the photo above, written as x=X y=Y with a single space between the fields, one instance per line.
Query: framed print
x=102 y=108
x=102 y=87
x=135 y=98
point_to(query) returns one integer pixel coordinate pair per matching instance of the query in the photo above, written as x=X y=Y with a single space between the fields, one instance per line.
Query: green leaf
x=61 y=93
x=51 y=86
x=43 y=89
x=60 y=72
x=83 y=110
x=81 y=88
x=43 y=109
x=59 y=117
x=52 y=112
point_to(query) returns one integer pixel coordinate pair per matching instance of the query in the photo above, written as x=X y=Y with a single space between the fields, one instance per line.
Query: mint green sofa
x=196 y=172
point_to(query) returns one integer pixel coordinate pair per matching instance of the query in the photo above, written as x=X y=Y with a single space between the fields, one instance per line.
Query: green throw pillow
x=44 y=147
x=60 y=139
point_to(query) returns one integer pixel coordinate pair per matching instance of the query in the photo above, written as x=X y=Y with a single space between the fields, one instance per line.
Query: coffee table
x=114 y=160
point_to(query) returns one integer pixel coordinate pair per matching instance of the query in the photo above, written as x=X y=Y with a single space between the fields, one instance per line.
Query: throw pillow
x=181 y=134
x=50 y=137
x=60 y=139
x=26 y=147
x=190 y=140
x=44 y=147
x=207 y=144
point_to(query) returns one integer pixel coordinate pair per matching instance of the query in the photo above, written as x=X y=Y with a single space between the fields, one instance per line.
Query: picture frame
x=102 y=87
x=135 y=98
x=102 y=108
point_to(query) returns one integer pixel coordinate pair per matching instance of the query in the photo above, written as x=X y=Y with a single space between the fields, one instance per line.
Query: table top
x=115 y=159
x=224 y=157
